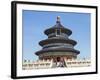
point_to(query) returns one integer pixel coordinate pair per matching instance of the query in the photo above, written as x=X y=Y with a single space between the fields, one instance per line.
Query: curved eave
x=57 y=40
x=52 y=30
x=58 y=50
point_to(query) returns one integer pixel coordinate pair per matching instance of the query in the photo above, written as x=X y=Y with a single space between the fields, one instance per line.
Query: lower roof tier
x=57 y=40
x=57 y=50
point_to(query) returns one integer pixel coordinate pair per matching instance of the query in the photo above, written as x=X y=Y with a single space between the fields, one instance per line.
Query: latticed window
x=58 y=31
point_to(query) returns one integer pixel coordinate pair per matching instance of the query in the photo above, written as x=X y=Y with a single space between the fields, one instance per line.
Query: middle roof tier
x=57 y=40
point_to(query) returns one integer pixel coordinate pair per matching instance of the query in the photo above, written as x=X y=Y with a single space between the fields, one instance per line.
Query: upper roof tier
x=58 y=25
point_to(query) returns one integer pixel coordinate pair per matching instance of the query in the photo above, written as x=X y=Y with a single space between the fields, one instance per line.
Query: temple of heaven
x=58 y=45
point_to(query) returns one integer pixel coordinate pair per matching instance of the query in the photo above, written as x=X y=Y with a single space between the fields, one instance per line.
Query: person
x=60 y=63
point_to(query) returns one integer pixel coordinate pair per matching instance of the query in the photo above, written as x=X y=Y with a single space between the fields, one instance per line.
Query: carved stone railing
x=45 y=64
x=40 y=64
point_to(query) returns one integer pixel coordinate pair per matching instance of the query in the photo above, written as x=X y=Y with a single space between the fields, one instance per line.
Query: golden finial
x=58 y=18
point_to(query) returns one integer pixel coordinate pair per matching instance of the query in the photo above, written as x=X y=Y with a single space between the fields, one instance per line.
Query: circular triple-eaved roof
x=58 y=25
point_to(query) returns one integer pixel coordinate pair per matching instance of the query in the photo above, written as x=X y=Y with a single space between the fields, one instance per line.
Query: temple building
x=57 y=51
x=58 y=46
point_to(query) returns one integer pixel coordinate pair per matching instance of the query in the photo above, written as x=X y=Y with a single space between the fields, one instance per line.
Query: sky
x=35 y=22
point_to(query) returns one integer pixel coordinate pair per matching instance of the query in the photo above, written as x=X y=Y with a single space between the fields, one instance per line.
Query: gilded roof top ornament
x=58 y=18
